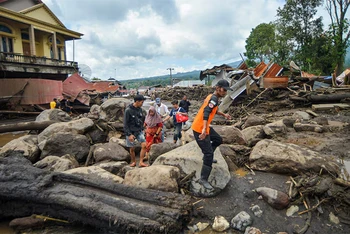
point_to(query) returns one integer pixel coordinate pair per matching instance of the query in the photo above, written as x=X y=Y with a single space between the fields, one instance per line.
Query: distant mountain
x=165 y=79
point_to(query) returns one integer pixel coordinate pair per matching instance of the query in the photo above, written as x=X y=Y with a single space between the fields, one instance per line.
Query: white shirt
x=162 y=109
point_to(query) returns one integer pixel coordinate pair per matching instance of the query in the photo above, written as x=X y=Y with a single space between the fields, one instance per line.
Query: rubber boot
x=204 y=177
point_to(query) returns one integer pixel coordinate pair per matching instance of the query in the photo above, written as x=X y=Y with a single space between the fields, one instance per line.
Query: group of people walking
x=148 y=129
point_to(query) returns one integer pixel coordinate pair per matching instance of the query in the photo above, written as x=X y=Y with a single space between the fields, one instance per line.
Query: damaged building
x=33 y=54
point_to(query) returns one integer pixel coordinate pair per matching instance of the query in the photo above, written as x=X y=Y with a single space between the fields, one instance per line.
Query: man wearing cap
x=206 y=137
x=133 y=128
x=163 y=110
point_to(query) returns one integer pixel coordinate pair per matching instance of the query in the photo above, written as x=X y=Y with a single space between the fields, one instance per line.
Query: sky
x=127 y=39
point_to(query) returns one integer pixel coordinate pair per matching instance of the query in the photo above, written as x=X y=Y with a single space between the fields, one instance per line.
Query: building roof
x=189 y=83
x=42 y=5
x=38 y=23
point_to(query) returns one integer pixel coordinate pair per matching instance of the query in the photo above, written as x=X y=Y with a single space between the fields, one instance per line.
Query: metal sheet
x=74 y=84
x=260 y=69
x=274 y=70
x=237 y=89
x=275 y=82
x=37 y=91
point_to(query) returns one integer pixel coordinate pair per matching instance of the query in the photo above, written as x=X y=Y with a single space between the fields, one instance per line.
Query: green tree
x=261 y=44
x=339 y=29
x=323 y=62
x=296 y=29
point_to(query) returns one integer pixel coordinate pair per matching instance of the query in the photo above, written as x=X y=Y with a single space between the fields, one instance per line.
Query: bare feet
x=143 y=165
x=133 y=164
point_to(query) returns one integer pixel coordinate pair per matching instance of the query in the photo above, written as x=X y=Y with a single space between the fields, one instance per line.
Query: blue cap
x=158 y=100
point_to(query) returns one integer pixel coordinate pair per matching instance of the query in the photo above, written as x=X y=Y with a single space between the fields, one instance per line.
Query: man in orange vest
x=206 y=137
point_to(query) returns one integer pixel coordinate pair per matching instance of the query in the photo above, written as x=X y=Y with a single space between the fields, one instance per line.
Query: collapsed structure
x=300 y=84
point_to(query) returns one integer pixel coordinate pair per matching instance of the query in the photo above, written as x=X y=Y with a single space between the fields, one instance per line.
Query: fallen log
x=19 y=112
x=25 y=190
x=328 y=98
x=25 y=126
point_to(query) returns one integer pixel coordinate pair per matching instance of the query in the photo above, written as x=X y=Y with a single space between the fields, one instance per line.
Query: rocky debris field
x=279 y=170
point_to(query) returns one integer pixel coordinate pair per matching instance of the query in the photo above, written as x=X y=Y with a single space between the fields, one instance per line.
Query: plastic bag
x=180 y=118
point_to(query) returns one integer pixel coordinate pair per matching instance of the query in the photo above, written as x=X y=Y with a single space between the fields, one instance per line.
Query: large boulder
x=253 y=120
x=110 y=152
x=113 y=109
x=58 y=164
x=230 y=135
x=27 y=145
x=94 y=112
x=112 y=167
x=63 y=143
x=80 y=126
x=157 y=177
x=254 y=134
x=53 y=115
x=97 y=136
x=276 y=128
x=95 y=172
x=188 y=159
x=159 y=149
x=273 y=156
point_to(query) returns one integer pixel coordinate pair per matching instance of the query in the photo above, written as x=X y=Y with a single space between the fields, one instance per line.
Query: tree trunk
x=328 y=98
x=25 y=126
x=103 y=204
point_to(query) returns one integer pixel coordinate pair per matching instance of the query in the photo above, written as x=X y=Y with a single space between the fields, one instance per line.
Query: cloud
x=141 y=38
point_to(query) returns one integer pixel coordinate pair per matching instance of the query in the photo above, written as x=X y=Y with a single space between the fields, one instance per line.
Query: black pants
x=208 y=145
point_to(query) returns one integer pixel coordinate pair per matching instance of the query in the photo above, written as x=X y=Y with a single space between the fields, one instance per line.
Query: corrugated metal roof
x=74 y=84
x=260 y=69
x=274 y=70
x=35 y=91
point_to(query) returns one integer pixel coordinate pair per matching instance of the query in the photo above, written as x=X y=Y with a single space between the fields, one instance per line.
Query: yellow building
x=33 y=41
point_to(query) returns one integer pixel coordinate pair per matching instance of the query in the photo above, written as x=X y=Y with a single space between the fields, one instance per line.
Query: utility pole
x=171 y=78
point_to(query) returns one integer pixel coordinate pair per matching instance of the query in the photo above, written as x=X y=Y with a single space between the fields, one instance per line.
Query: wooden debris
x=322 y=107
x=342 y=182
x=310 y=112
x=25 y=126
x=102 y=204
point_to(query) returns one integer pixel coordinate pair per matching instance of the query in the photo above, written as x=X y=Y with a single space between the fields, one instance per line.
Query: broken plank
x=320 y=107
x=311 y=113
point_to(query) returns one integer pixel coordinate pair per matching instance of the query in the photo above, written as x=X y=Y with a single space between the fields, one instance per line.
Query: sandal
x=143 y=165
x=133 y=164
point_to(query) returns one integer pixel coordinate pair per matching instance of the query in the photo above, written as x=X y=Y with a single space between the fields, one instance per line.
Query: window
x=6 y=42
x=25 y=36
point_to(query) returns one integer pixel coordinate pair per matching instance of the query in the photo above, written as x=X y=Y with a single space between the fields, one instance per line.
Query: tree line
x=298 y=35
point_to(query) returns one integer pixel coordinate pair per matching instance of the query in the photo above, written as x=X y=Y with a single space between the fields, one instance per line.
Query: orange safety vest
x=197 y=124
